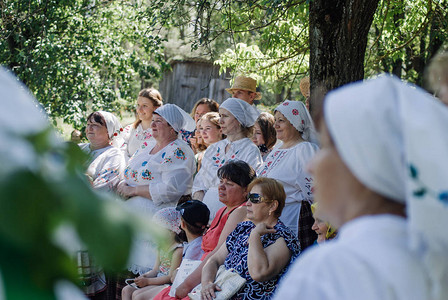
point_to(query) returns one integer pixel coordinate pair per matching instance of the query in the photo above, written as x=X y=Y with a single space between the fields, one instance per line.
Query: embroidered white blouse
x=106 y=166
x=214 y=158
x=135 y=139
x=288 y=166
x=169 y=172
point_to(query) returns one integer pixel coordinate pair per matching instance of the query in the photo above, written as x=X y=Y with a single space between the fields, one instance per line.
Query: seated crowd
x=234 y=187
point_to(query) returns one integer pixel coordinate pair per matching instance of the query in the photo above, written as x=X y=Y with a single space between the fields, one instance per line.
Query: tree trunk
x=338 y=39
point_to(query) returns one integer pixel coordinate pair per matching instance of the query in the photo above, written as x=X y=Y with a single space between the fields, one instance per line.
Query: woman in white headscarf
x=105 y=168
x=106 y=163
x=236 y=120
x=381 y=178
x=287 y=163
x=158 y=175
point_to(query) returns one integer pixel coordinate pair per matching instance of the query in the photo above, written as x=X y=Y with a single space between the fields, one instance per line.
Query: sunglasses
x=257 y=198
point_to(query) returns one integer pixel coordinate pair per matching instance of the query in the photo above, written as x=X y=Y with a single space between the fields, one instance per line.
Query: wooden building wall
x=191 y=80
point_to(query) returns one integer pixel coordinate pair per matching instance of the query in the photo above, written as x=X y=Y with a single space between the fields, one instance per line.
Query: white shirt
x=135 y=139
x=169 y=172
x=368 y=260
x=214 y=158
x=288 y=166
x=106 y=166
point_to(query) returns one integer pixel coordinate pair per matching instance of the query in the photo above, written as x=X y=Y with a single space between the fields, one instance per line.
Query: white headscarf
x=114 y=128
x=112 y=124
x=176 y=117
x=393 y=138
x=299 y=117
x=245 y=113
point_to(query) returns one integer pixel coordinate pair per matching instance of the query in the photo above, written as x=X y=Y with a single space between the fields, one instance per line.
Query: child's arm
x=177 y=256
x=155 y=269
x=176 y=260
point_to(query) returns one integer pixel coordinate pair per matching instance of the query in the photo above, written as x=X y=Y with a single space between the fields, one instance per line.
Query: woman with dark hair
x=106 y=162
x=234 y=177
x=138 y=134
x=260 y=249
x=264 y=134
x=381 y=179
x=105 y=168
x=203 y=106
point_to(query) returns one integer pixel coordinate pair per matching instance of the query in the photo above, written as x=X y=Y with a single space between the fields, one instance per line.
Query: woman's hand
x=208 y=291
x=262 y=229
x=124 y=190
x=182 y=290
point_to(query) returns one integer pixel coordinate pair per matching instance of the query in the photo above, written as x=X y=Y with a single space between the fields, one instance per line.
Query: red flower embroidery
x=295 y=112
x=286 y=103
x=115 y=134
x=121 y=129
x=303 y=122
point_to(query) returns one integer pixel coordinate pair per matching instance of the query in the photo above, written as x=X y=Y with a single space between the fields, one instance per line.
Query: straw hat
x=246 y=84
x=305 y=86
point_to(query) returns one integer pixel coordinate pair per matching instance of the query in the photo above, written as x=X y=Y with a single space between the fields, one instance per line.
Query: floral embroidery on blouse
x=274 y=160
x=106 y=175
x=146 y=175
x=221 y=160
x=180 y=154
x=186 y=135
x=128 y=173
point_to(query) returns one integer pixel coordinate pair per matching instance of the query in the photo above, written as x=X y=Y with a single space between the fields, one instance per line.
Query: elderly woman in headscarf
x=237 y=119
x=160 y=174
x=105 y=167
x=106 y=163
x=324 y=230
x=287 y=163
x=387 y=195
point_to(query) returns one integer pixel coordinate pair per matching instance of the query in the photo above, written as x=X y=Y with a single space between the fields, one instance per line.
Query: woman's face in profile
x=321 y=228
x=257 y=137
x=229 y=124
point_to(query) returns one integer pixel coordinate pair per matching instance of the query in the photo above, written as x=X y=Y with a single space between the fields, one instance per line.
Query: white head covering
x=176 y=117
x=299 y=117
x=245 y=113
x=168 y=218
x=114 y=128
x=393 y=138
x=112 y=124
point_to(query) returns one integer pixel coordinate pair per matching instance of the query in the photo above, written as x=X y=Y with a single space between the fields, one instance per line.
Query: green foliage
x=77 y=55
x=37 y=203
x=404 y=36
x=268 y=39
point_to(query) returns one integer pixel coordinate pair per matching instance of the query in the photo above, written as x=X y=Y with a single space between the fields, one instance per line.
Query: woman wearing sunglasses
x=260 y=250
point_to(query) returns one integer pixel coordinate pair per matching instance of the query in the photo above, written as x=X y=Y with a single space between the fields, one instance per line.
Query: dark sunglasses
x=257 y=198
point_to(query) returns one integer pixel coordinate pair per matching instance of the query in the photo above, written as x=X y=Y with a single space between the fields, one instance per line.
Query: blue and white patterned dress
x=238 y=247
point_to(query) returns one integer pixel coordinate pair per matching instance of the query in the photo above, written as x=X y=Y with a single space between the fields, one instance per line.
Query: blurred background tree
x=80 y=54
x=280 y=41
